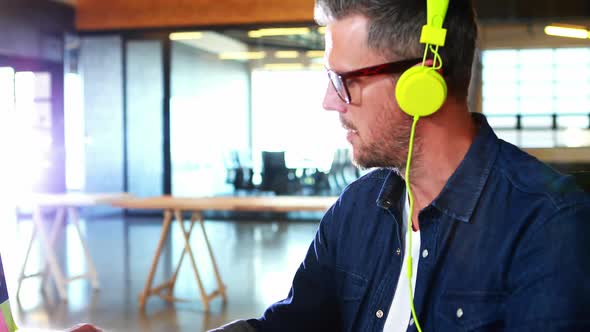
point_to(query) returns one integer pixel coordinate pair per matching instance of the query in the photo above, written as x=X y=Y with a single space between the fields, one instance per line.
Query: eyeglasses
x=339 y=80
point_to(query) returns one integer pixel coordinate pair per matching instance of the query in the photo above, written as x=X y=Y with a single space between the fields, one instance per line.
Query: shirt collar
x=392 y=190
x=462 y=191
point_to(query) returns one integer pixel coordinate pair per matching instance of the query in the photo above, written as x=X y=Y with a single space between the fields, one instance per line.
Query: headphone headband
x=433 y=32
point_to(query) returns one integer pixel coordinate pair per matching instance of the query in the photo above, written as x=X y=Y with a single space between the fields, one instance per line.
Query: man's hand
x=84 y=328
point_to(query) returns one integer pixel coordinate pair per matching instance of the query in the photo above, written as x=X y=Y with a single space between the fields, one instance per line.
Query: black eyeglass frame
x=340 y=79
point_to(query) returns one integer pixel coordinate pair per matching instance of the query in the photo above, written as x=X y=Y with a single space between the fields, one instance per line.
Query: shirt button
x=379 y=314
x=459 y=313
x=425 y=253
x=398 y=251
x=386 y=203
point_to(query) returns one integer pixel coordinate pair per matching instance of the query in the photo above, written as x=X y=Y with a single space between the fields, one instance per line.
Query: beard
x=388 y=147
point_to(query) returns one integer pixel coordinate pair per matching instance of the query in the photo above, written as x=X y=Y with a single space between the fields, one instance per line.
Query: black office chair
x=238 y=175
x=580 y=171
x=582 y=179
x=276 y=176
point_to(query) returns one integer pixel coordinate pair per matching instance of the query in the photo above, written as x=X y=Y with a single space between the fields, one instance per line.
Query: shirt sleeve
x=235 y=326
x=309 y=305
x=6 y=320
x=549 y=275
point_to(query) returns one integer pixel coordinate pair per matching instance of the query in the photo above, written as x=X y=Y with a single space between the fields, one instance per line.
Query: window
x=292 y=119
x=538 y=97
x=239 y=93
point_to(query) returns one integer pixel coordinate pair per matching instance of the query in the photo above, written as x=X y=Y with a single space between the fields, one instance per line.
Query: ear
x=429 y=63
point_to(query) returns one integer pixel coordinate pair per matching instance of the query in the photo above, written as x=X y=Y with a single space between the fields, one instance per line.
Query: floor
x=257 y=260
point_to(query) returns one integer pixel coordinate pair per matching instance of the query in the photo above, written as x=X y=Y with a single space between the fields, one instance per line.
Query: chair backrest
x=275 y=175
x=273 y=160
x=579 y=170
x=582 y=179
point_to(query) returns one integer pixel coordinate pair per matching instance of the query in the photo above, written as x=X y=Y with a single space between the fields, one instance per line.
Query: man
x=502 y=239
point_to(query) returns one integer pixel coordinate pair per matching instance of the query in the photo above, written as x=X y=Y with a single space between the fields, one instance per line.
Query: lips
x=351 y=132
x=350 y=135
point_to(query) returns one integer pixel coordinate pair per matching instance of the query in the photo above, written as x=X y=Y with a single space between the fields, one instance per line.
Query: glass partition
x=237 y=93
x=192 y=113
x=209 y=115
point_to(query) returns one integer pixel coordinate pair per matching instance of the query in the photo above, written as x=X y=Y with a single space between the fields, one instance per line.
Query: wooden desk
x=63 y=204
x=174 y=207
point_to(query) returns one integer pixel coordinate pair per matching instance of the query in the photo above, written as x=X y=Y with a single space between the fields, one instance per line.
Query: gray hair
x=395 y=27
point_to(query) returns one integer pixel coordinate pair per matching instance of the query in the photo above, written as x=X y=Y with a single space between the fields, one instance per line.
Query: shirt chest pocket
x=471 y=311
x=349 y=286
x=350 y=291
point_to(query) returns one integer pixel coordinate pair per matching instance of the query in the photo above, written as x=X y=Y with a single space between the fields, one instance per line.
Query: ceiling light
x=186 y=35
x=314 y=54
x=283 y=66
x=567 y=31
x=277 y=32
x=242 y=55
x=286 y=54
x=316 y=66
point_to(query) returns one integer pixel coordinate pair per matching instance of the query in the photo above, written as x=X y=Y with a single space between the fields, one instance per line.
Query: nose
x=332 y=102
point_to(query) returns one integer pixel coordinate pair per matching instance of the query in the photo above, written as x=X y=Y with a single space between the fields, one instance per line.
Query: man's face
x=376 y=127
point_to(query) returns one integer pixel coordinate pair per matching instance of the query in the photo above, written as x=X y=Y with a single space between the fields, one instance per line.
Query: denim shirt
x=504 y=246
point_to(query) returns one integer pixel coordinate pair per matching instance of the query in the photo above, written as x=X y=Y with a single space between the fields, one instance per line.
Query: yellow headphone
x=421 y=91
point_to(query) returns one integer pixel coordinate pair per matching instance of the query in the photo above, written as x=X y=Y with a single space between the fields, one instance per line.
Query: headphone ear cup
x=421 y=91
